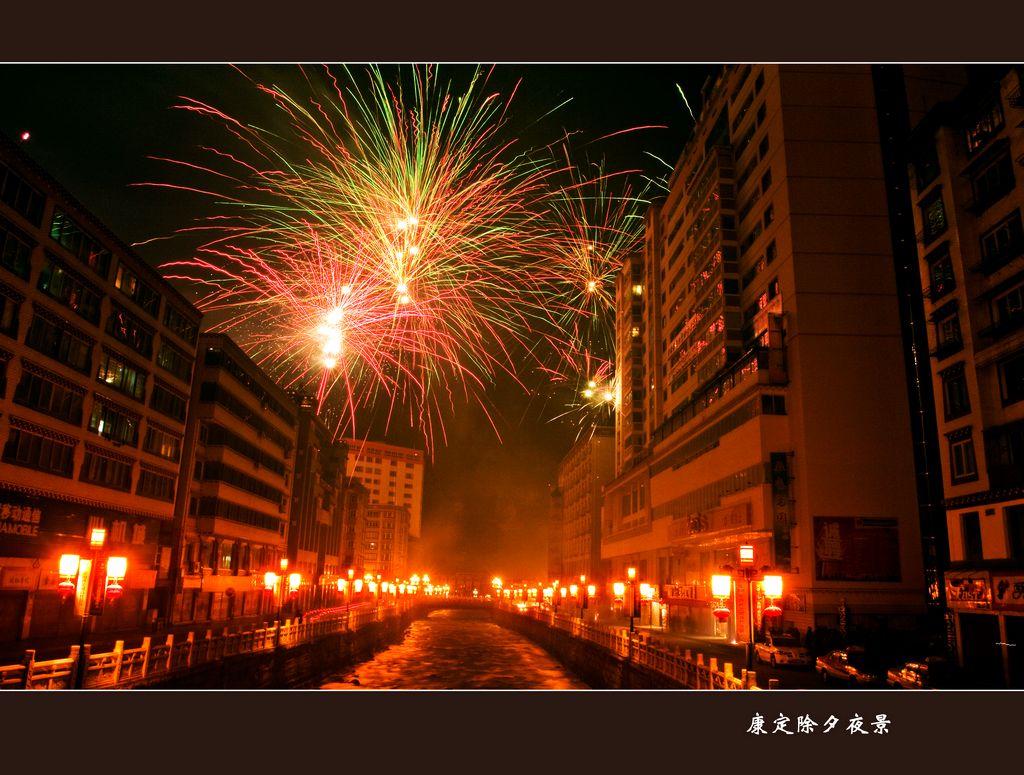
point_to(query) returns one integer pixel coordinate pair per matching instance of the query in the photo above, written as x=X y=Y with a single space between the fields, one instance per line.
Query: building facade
x=96 y=360
x=967 y=183
x=392 y=475
x=233 y=526
x=770 y=338
x=582 y=475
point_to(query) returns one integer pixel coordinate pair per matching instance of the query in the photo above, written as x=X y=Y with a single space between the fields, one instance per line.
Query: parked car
x=929 y=673
x=848 y=666
x=781 y=650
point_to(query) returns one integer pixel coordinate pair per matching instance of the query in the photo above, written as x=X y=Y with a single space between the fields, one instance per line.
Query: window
x=1015 y=531
x=19 y=195
x=983 y=126
x=60 y=283
x=174 y=361
x=962 y=465
x=940 y=275
x=138 y=291
x=948 y=337
x=106 y=472
x=1011 y=378
x=155 y=485
x=127 y=328
x=114 y=422
x=10 y=306
x=925 y=161
x=766 y=181
x=58 y=339
x=769 y=215
x=992 y=182
x=933 y=216
x=1008 y=309
x=47 y=393
x=122 y=376
x=1002 y=244
x=762 y=149
x=955 y=399
x=15 y=250
x=970 y=527
x=162 y=443
x=33 y=447
x=168 y=402
x=180 y=324
x=69 y=234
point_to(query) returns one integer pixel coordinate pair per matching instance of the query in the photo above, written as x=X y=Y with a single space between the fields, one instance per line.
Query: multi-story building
x=385 y=542
x=315 y=532
x=392 y=475
x=554 y=535
x=630 y=440
x=239 y=447
x=777 y=411
x=582 y=475
x=356 y=501
x=967 y=183
x=96 y=359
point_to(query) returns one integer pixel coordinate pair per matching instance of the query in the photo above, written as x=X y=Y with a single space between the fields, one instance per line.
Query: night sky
x=486 y=499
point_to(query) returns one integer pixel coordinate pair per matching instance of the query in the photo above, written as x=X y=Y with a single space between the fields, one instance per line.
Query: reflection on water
x=458 y=649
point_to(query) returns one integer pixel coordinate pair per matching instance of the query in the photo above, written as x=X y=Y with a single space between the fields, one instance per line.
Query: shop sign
x=19 y=520
x=1008 y=591
x=683 y=594
x=968 y=590
x=18 y=577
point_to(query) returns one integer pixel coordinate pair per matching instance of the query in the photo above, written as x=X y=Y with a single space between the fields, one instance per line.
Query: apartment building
x=630 y=440
x=240 y=446
x=315 y=534
x=96 y=360
x=775 y=391
x=392 y=475
x=967 y=183
x=582 y=475
x=385 y=542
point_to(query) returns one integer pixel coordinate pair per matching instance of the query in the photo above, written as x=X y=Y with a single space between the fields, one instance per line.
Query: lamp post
x=114 y=570
x=631 y=574
x=771 y=584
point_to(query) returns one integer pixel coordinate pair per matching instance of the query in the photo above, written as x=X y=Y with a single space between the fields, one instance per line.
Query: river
x=458 y=649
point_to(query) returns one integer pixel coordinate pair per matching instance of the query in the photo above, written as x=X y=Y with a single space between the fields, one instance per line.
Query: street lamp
x=771 y=585
x=114 y=571
x=631 y=574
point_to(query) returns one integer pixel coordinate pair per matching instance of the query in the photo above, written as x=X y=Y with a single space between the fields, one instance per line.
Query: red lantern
x=772 y=610
x=721 y=613
x=66 y=589
x=114 y=591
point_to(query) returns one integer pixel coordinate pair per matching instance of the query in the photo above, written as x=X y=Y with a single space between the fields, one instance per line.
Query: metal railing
x=681 y=667
x=124 y=668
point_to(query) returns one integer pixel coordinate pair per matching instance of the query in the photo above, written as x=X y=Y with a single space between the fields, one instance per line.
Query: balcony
x=947 y=348
x=1004 y=327
x=996 y=260
x=940 y=288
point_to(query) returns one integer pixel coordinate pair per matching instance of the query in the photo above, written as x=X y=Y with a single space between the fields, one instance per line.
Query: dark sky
x=486 y=500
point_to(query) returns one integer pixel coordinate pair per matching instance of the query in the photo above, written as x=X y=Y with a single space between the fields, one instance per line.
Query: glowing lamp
x=97 y=537
x=358 y=585
x=772 y=586
x=116 y=567
x=294 y=580
x=591 y=590
x=646 y=591
x=269 y=581
x=721 y=585
x=746 y=554
x=631 y=573
x=69 y=564
x=573 y=590
x=564 y=591
x=341 y=585
x=619 y=588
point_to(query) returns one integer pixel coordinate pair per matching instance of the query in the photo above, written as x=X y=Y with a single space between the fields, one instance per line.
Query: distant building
x=392 y=475
x=582 y=475
x=385 y=542
x=775 y=407
x=96 y=360
x=967 y=183
x=630 y=438
x=554 y=535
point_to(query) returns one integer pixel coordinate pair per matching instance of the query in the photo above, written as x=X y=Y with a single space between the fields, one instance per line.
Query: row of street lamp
x=721 y=592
